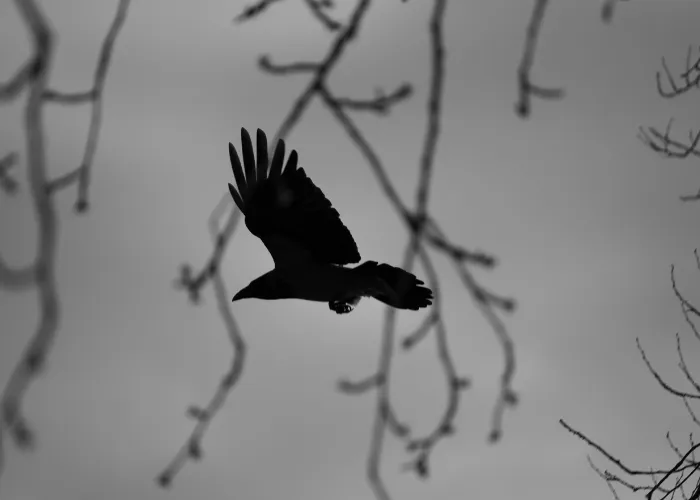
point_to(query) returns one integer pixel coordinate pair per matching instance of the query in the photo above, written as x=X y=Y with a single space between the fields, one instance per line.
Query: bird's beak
x=242 y=294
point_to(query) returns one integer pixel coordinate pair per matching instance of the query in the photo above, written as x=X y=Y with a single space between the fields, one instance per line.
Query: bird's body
x=307 y=240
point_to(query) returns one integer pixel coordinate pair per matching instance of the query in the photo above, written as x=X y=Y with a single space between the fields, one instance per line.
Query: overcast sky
x=584 y=219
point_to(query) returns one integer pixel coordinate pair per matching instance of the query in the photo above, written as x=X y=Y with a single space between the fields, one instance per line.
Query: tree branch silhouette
x=675 y=86
x=647 y=480
x=424 y=235
x=526 y=89
x=33 y=75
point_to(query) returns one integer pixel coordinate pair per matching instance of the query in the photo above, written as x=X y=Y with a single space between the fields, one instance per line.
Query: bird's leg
x=340 y=307
x=344 y=304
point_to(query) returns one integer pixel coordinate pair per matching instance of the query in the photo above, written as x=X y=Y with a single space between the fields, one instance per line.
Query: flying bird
x=309 y=244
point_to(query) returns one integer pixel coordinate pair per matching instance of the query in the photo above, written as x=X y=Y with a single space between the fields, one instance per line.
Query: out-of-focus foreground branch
x=33 y=76
x=526 y=89
x=425 y=239
x=665 y=481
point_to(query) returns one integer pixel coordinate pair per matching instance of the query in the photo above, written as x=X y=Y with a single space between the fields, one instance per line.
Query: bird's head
x=266 y=287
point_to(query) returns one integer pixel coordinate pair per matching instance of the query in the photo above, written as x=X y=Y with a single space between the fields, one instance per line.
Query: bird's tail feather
x=406 y=291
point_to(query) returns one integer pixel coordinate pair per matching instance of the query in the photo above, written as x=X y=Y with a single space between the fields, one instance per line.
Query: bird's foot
x=340 y=307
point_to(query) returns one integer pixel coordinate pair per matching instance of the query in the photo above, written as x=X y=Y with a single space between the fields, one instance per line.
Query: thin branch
x=360 y=386
x=11 y=89
x=192 y=449
x=421 y=332
x=663 y=144
x=85 y=168
x=254 y=10
x=675 y=468
x=7 y=182
x=265 y=64
x=318 y=10
x=381 y=104
x=437 y=83
x=605 y=476
x=42 y=271
x=686 y=306
x=660 y=380
x=690 y=77
x=57 y=97
x=608 y=9
x=526 y=89
x=684 y=367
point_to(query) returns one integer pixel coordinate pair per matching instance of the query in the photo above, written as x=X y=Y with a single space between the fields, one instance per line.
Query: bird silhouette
x=309 y=244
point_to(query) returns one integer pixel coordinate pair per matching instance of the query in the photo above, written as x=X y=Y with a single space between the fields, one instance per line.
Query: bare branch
x=420 y=333
x=526 y=88
x=85 y=167
x=192 y=449
x=663 y=144
x=381 y=104
x=686 y=306
x=608 y=9
x=660 y=380
x=360 y=386
x=70 y=97
x=41 y=273
x=253 y=10
x=7 y=183
x=11 y=89
x=611 y=458
x=268 y=66
x=318 y=9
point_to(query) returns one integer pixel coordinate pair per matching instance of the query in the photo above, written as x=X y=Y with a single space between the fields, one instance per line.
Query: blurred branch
x=527 y=89
x=284 y=69
x=82 y=173
x=70 y=98
x=675 y=86
x=41 y=273
x=318 y=9
x=608 y=9
x=192 y=449
x=381 y=104
x=11 y=89
x=663 y=144
x=7 y=182
x=254 y=10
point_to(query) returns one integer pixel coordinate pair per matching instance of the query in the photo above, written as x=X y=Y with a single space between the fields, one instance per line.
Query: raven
x=306 y=239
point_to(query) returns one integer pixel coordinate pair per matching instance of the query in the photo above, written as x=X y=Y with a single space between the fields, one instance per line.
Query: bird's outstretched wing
x=285 y=209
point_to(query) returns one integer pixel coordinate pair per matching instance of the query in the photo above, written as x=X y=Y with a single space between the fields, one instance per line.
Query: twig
x=11 y=89
x=318 y=10
x=192 y=449
x=82 y=173
x=7 y=182
x=527 y=89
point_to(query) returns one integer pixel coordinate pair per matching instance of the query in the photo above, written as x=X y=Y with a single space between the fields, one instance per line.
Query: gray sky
x=584 y=219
